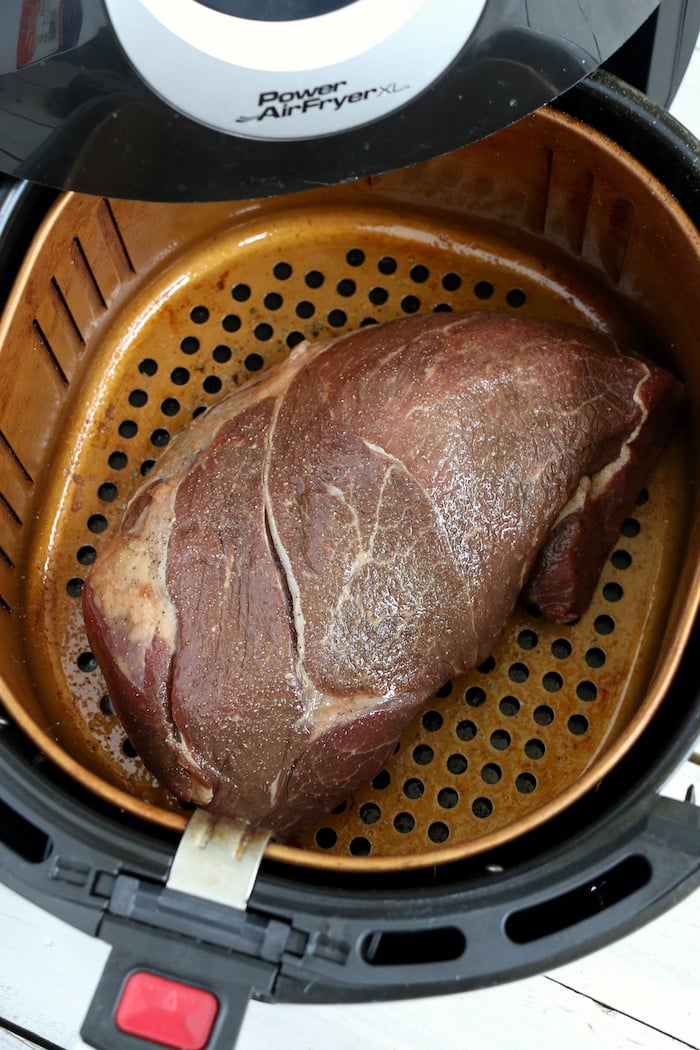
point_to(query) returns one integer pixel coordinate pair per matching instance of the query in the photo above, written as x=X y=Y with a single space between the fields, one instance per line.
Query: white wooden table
x=643 y=992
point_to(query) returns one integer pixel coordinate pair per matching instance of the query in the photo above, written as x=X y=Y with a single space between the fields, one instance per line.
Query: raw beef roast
x=319 y=552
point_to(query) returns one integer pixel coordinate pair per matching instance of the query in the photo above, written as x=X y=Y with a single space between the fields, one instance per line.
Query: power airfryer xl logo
x=275 y=105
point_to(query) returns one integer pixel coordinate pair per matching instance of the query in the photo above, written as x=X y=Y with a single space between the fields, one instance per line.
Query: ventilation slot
x=23 y=837
x=560 y=913
x=118 y=233
x=43 y=339
x=69 y=313
x=89 y=270
x=413 y=947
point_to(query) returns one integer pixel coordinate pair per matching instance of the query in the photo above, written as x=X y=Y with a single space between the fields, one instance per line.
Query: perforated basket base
x=496 y=750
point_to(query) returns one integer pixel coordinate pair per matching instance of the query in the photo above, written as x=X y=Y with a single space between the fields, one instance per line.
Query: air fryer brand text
x=277 y=104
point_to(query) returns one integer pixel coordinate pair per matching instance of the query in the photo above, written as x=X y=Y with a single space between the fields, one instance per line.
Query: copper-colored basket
x=128 y=318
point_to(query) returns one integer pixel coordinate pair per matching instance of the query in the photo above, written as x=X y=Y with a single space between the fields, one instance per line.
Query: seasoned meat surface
x=324 y=548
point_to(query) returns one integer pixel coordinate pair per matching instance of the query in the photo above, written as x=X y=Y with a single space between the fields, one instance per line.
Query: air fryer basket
x=128 y=319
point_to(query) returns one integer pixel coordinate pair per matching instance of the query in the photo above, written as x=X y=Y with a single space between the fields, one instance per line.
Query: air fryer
x=518 y=824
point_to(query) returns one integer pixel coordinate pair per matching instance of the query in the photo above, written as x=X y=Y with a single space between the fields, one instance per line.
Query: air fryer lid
x=157 y=100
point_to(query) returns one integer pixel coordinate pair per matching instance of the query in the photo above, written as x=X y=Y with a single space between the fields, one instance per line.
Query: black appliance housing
x=616 y=859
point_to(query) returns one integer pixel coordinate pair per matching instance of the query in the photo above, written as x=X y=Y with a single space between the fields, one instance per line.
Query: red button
x=166 y=1011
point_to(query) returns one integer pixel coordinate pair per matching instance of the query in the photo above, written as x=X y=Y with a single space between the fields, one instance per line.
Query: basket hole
x=314 y=279
x=199 y=315
x=87 y=662
x=148 y=366
x=432 y=721
x=475 y=696
x=272 y=301
x=527 y=639
x=438 y=832
x=86 y=555
x=457 y=764
x=97 y=523
x=294 y=338
x=340 y=808
x=240 y=292
x=282 y=271
x=444 y=690
x=138 y=398
x=630 y=528
x=604 y=624
x=179 y=376
x=221 y=353
x=346 y=287
x=482 y=807
x=516 y=298
x=305 y=309
x=263 y=331
x=552 y=681
x=231 y=323
x=367 y=321
x=587 y=691
x=487 y=666
x=526 y=783
x=355 y=257
x=535 y=748
x=643 y=497
x=129 y=749
x=170 y=406
x=253 y=362
x=128 y=428
x=419 y=273
x=451 y=282
x=160 y=437
x=378 y=296
x=387 y=265
x=442 y=308
x=561 y=648
x=410 y=304
x=382 y=780
x=621 y=559
x=106 y=705
x=337 y=318
x=595 y=657
x=466 y=730
x=360 y=846
x=483 y=289
x=423 y=754
x=189 y=345
x=370 y=813
x=509 y=706
x=325 y=838
x=578 y=725
x=147 y=466
x=108 y=492
x=543 y=715
x=74 y=587
x=447 y=798
x=491 y=773
x=211 y=385
x=117 y=460
x=414 y=788
x=518 y=672
x=500 y=739
x=404 y=823
x=612 y=592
